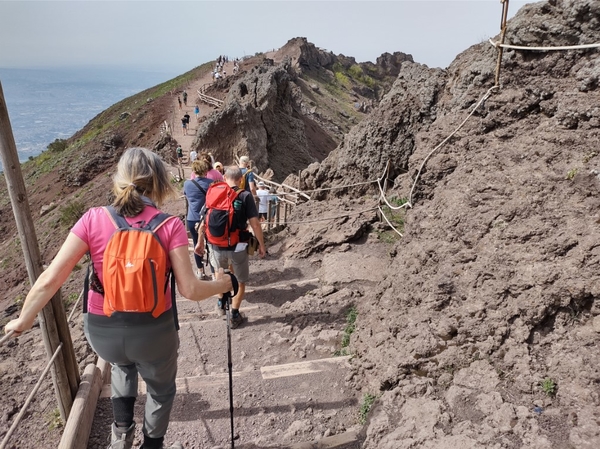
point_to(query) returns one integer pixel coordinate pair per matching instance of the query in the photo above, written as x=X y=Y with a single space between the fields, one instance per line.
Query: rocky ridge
x=294 y=107
x=485 y=331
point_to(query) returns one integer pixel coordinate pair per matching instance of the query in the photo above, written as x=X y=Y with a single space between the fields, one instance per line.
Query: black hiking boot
x=237 y=321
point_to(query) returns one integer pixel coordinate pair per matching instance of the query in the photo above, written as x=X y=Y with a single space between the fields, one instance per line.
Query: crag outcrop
x=294 y=108
x=261 y=118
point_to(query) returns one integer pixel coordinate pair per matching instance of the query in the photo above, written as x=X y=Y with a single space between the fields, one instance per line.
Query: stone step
x=196 y=384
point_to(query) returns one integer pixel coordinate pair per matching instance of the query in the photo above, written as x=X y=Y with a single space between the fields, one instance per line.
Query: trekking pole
x=227 y=300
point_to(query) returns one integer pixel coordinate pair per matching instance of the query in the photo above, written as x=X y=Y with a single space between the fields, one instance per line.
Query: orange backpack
x=135 y=267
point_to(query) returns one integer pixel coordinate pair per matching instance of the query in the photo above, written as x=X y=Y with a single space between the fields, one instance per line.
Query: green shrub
x=71 y=212
x=71 y=299
x=337 y=67
x=548 y=386
x=355 y=72
x=54 y=420
x=365 y=407
x=342 y=79
x=348 y=331
x=58 y=145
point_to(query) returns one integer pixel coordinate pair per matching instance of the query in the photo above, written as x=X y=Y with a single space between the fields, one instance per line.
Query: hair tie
x=131 y=184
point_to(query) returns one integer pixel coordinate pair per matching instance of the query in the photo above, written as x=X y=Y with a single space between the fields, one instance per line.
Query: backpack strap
x=158 y=220
x=199 y=187
x=86 y=286
x=117 y=219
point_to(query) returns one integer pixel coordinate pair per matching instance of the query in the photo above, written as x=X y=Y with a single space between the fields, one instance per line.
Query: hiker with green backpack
x=136 y=252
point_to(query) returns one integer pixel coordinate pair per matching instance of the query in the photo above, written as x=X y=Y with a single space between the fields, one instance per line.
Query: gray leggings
x=148 y=347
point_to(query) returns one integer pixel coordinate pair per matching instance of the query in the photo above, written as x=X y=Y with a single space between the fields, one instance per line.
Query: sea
x=54 y=103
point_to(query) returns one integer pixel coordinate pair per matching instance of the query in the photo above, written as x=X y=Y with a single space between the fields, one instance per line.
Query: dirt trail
x=186 y=140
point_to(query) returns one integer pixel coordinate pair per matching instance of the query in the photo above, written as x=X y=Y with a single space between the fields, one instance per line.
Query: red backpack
x=222 y=202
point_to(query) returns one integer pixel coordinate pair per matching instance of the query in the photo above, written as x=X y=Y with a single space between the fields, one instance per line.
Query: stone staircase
x=288 y=389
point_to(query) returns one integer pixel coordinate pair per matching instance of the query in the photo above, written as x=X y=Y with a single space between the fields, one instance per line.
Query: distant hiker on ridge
x=186 y=116
x=184 y=125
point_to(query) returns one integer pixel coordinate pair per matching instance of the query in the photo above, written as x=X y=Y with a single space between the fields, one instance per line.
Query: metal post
x=52 y=318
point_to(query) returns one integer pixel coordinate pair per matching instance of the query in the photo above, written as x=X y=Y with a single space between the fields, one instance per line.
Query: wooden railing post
x=52 y=319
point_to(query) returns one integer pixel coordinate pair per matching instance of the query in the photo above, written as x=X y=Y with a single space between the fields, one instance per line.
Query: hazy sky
x=175 y=36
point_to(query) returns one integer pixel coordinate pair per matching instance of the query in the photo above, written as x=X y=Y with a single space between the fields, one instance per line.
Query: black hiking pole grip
x=227 y=301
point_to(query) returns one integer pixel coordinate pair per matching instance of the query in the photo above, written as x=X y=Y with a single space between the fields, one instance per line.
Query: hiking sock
x=235 y=312
x=123 y=411
x=152 y=443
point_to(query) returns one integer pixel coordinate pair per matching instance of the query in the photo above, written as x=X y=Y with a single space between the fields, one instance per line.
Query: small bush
x=57 y=146
x=342 y=79
x=19 y=300
x=350 y=327
x=337 y=67
x=365 y=407
x=72 y=212
x=571 y=174
x=348 y=331
x=355 y=72
x=548 y=386
x=54 y=420
x=71 y=299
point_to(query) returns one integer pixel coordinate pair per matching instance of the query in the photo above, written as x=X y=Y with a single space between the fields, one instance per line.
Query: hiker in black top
x=223 y=257
x=186 y=117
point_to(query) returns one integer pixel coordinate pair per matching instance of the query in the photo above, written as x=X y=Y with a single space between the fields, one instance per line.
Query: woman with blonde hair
x=133 y=342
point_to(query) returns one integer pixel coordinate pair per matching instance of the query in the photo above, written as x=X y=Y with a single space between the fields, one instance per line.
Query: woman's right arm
x=71 y=252
x=187 y=283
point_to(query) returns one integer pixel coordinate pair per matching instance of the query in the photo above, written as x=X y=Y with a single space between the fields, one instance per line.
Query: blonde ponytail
x=140 y=172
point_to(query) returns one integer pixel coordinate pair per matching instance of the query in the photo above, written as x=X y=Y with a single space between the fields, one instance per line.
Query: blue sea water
x=48 y=104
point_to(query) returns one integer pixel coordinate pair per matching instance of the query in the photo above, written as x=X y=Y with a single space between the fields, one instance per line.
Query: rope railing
x=75 y=306
x=344 y=215
x=6 y=337
x=284 y=186
x=29 y=399
x=388 y=222
x=485 y=97
x=559 y=48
